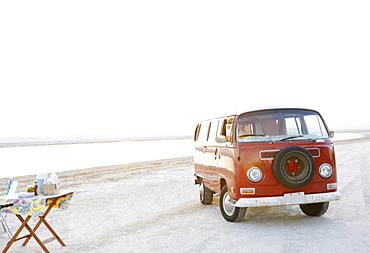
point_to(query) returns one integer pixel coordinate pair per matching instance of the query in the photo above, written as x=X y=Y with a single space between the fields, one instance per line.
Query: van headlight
x=254 y=174
x=325 y=170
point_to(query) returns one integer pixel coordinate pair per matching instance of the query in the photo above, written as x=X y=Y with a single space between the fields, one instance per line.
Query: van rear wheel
x=228 y=210
x=316 y=209
x=205 y=194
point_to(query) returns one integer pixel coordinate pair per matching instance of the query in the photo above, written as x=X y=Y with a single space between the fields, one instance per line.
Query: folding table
x=35 y=206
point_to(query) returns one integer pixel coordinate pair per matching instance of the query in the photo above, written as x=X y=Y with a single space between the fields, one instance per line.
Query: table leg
x=52 y=231
x=32 y=234
x=24 y=222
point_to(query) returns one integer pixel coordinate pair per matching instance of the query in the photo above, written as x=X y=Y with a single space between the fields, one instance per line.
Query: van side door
x=200 y=138
x=210 y=153
x=226 y=151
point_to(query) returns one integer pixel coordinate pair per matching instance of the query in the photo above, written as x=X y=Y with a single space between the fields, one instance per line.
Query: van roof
x=277 y=108
x=263 y=109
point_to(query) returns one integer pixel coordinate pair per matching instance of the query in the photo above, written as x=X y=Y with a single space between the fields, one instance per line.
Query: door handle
x=216 y=156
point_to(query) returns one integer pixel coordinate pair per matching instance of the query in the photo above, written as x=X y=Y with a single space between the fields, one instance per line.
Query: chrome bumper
x=282 y=200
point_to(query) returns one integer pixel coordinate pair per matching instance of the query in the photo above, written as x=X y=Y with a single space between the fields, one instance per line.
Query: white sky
x=158 y=67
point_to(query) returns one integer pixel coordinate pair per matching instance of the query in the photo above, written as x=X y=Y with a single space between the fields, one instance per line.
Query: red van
x=266 y=157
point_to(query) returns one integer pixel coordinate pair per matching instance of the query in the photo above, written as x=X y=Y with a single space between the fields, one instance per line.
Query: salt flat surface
x=18 y=161
x=346 y=136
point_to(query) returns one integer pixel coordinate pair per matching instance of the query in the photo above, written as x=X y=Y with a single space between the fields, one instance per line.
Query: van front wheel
x=228 y=210
x=316 y=209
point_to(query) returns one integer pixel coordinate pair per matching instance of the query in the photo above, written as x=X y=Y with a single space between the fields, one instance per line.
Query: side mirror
x=221 y=139
x=331 y=134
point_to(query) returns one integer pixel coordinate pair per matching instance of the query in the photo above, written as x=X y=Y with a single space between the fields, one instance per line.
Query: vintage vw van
x=266 y=157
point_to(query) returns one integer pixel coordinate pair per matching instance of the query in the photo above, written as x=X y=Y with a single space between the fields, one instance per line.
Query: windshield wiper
x=290 y=137
x=248 y=135
x=295 y=136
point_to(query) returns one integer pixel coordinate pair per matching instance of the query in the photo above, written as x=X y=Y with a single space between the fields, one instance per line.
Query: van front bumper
x=288 y=199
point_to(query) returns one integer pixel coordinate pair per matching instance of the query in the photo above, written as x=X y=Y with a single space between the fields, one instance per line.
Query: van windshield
x=280 y=125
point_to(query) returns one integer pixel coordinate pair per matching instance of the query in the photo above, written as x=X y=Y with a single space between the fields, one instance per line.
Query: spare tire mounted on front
x=294 y=167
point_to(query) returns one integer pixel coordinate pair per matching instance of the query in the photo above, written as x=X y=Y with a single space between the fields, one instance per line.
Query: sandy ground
x=154 y=207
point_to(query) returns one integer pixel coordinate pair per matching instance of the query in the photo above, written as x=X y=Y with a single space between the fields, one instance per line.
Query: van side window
x=213 y=131
x=226 y=128
x=203 y=131
x=196 y=133
x=223 y=129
